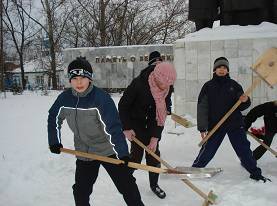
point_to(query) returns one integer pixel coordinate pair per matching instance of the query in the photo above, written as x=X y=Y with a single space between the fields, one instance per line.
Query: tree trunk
x=23 y=81
x=102 y=22
x=52 y=45
x=1 y=48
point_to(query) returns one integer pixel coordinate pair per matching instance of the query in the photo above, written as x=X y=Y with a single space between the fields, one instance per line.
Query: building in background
x=36 y=76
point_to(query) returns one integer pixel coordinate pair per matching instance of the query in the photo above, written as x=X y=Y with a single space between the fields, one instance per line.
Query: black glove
x=55 y=148
x=259 y=177
x=126 y=160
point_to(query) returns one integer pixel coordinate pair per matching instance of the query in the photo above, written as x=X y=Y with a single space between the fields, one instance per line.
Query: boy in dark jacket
x=92 y=116
x=216 y=98
x=143 y=109
x=269 y=111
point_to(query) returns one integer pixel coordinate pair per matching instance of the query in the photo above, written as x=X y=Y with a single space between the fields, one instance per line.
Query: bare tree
x=1 y=48
x=20 y=28
x=56 y=18
x=125 y=22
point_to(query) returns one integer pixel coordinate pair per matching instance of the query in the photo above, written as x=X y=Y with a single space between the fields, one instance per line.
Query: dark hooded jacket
x=137 y=105
x=268 y=110
x=216 y=98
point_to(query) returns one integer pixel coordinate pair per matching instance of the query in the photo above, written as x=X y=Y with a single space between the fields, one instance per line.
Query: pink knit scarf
x=159 y=97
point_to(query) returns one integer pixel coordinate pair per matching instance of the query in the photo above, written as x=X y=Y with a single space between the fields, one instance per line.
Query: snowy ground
x=31 y=175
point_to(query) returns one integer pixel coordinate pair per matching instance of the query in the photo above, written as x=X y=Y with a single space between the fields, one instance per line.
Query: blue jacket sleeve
x=55 y=121
x=203 y=110
x=110 y=117
x=243 y=105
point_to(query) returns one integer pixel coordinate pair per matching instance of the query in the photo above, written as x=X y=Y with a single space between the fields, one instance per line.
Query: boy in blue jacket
x=216 y=98
x=93 y=118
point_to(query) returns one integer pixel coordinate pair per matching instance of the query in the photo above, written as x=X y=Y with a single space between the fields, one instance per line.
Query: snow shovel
x=263 y=144
x=182 y=121
x=118 y=161
x=211 y=198
x=266 y=69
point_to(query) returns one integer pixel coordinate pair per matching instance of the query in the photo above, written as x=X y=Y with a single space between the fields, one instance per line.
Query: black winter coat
x=268 y=110
x=216 y=98
x=137 y=105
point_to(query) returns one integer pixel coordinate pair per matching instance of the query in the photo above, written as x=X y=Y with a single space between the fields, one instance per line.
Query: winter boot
x=158 y=191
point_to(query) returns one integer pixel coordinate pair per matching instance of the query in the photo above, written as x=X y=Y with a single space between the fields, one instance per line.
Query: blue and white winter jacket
x=94 y=120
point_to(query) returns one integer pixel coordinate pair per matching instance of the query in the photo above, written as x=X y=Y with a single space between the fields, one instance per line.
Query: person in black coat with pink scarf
x=143 y=109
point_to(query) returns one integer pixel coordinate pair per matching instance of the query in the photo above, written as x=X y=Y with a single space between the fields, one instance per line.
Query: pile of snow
x=31 y=175
x=264 y=30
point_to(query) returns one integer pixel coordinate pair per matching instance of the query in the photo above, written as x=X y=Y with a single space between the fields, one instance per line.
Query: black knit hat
x=221 y=61
x=154 y=56
x=79 y=67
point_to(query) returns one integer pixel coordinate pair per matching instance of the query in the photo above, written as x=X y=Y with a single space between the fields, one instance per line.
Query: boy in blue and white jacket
x=93 y=118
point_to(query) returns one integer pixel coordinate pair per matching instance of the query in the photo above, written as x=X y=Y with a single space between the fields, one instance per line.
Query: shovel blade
x=193 y=173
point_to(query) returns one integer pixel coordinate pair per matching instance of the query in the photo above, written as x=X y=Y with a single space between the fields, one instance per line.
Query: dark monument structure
x=232 y=12
x=203 y=12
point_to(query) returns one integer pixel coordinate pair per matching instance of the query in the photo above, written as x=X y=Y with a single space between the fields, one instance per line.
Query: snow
x=264 y=30
x=31 y=175
x=37 y=66
x=31 y=66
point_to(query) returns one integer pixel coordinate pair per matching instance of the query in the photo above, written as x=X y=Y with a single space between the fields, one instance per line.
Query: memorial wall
x=115 y=67
x=195 y=54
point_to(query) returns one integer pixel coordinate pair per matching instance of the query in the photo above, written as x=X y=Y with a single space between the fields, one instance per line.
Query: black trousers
x=137 y=152
x=86 y=175
x=267 y=139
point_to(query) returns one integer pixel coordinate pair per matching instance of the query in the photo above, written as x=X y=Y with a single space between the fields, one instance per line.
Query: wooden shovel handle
x=263 y=144
x=186 y=181
x=113 y=161
x=180 y=120
x=198 y=191
x=249 y=90
x=152 y=153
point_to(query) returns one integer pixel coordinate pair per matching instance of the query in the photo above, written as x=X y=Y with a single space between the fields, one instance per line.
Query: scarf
x=159 y=97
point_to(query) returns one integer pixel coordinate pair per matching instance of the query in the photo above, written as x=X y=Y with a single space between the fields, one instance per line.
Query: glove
x=126 y=160
x=55 y=148
x=259 y=177
x=258 y=132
